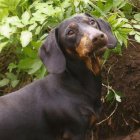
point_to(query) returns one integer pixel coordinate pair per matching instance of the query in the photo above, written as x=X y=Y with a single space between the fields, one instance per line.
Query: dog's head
x=81 y=36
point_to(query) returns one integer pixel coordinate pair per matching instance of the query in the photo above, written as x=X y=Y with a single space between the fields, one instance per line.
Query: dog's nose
x=99 y=39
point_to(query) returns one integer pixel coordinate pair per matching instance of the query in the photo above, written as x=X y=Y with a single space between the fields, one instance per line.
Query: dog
x=61 y=106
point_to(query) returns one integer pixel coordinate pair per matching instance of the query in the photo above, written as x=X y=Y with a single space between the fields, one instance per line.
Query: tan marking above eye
x=85 y=19
x=72 y=25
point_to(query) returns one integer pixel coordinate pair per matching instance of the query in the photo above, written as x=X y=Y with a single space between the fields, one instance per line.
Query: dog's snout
x=99 y=39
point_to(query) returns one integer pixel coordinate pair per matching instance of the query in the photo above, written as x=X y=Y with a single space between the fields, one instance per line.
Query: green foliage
x=11 y=79
x=113 y=95
x=136 y=25
x=25 y=24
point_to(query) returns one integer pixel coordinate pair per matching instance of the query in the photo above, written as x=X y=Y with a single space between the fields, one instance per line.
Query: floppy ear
x=51 y=55
x=105 y=27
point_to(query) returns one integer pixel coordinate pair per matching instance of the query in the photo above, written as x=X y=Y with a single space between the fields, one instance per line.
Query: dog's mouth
x=97 y=52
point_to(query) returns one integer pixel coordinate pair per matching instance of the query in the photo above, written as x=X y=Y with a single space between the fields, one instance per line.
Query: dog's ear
x=51 y=54
x=105 y=27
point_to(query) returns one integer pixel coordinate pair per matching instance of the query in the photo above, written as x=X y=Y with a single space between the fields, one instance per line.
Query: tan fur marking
x=69 y=51
x=67 y=136
x=93 y=64
x=92 y=120
x=84 y=46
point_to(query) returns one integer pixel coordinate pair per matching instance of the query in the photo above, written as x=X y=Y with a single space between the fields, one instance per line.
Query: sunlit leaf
x=137 y=38
x=136 y=26
x=14 y=83
x=32 y=27
x=11 y=67
x=118 y=98
x=137 y=17
x=132 y=32
x=11 y=76
x=5 y=30
x=25 y=63
x=4 y=82
x=25 y=17
x=35 y=66
x=25 y=38
x=2 y=45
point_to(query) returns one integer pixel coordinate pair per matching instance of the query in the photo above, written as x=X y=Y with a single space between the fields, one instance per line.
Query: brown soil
x=124 y=76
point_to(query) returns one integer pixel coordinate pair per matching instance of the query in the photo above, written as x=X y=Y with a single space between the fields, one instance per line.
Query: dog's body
x=60 y=105
x=46 y=108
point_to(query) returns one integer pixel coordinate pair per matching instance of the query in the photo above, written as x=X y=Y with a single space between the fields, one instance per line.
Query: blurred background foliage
x=24 y=25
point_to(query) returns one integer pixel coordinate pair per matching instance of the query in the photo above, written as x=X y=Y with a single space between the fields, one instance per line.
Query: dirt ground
x=124 y=76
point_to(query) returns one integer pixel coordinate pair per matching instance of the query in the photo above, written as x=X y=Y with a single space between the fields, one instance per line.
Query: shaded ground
x=124 y=76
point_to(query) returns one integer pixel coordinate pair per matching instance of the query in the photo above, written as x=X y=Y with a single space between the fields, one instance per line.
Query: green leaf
x=12 y=66
x=14 y=83
x=5 y=30
x=127 y=26
x=3 y=13
x=14 y=20
x=136 y=26
x=25 y=63
x=132 y=32
x=118 y=49
x=36 y=44
x=134 y=21
x=4 y=82
x=41 y=72
x=137 y=38
x=9 y=4
x=108 y=6
x=35 y=66
x=11 y=76
x=38 y=29
x=97 y=8
x=137 y=17
x=137 y=32
x=43 y=36
x=2 y=45
x=25 y=38
x=110 y=96
x=25 y=17
x=112 y=18
x=32 y=27
x=118 y=98
x=106 y=54
x=30 y=52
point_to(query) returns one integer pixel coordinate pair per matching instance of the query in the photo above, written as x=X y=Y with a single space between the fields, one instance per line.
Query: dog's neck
x=79 y=69
x=93 y=64
x=91 y=83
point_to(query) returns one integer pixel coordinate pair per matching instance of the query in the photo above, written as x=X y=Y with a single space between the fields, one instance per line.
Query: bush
x=25 y=24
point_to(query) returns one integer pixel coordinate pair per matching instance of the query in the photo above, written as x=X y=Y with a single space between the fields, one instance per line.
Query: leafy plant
x=136 y=25
x=25 y=24
x=28 y=28
x=112 y=95
x=9 y=78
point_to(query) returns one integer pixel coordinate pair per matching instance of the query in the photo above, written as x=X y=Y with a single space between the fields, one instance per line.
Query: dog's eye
x=70 y=32
x=92 y=22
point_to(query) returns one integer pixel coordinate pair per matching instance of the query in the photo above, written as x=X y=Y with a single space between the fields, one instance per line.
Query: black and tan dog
x=61 y=105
